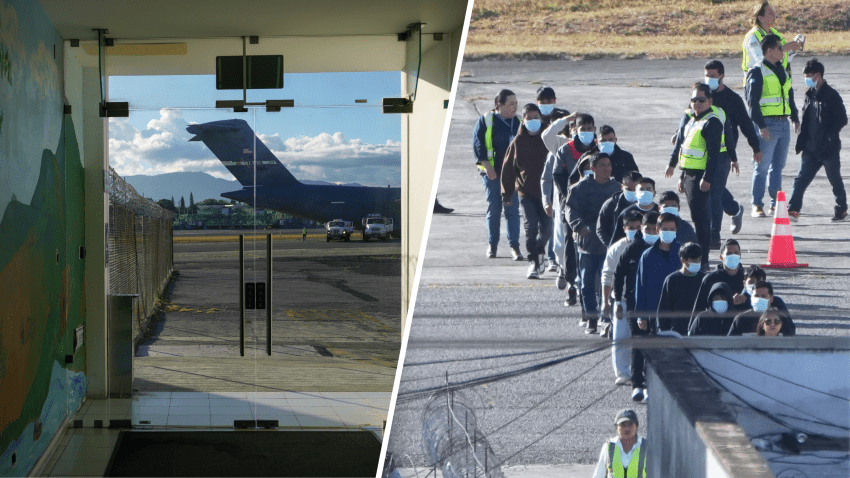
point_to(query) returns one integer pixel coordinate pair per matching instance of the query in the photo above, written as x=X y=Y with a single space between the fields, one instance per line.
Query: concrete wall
x=42 y=373
x=691 y=431
x=422 y=133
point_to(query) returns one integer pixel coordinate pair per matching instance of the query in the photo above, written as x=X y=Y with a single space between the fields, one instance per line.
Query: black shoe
x=572 y=296
x=440 y=209
x=637 y=394
x=840 y=214
x=516 y=255
x=562 y=282
x=737 y=220
x=715 y=245
x=607 y=330
x=591 y=326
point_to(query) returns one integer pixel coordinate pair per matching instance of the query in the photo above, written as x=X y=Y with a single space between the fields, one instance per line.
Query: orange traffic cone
x=781 y=252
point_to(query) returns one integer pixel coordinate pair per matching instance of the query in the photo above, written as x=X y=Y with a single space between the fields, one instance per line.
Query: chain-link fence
x=140 y=248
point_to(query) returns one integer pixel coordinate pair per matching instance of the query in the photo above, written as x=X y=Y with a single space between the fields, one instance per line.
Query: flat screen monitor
x=263 y=72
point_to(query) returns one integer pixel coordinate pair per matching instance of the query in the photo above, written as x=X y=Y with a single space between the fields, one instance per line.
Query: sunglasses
x=773 y=322
x=699 y=99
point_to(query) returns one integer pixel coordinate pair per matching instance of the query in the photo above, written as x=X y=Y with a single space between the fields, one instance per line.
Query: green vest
x=488 y=138
x=694 y=152
x=760 y=34
x=774 y=96
x=636 y=467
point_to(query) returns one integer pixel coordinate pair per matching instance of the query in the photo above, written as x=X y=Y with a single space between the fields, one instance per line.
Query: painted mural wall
x=42 y=362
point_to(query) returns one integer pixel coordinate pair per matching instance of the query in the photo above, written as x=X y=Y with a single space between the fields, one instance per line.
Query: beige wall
x=422 y=133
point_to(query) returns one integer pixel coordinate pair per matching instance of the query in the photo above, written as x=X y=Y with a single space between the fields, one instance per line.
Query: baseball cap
x=627 y=415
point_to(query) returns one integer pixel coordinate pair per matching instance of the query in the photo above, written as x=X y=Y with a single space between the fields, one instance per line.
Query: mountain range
x=200 y=185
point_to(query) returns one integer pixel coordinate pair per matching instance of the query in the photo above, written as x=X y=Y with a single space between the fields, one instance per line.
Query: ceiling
x=173 y=19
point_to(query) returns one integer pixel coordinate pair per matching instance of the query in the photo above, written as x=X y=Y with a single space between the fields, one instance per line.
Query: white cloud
x=164 y=147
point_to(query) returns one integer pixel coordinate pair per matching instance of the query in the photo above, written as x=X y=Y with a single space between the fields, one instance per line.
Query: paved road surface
x=469 y=306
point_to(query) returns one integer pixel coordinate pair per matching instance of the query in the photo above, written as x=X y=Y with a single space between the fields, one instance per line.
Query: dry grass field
x=574 y=29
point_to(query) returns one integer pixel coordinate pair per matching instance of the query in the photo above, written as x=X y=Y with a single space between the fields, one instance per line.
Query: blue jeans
x=494 y=213
x=721 y=199
x=774 y=154
x=589 y=266
x=538 y=226
x=809 y=167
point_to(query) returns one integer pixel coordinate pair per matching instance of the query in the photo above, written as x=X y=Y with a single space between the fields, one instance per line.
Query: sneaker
x=771 y=211
x=623 y=381
x=553 y=267
x=562 y=281
x=607 y=330
x=582 y=323
x=491 y=252
x=645 y=396
x=840 y=214
x=793 y=216
x=517 y=256
x=737 y=220
x=572 y=296
x=532 y=271
x=757 y=211
x=638 y=394
x=541 y=265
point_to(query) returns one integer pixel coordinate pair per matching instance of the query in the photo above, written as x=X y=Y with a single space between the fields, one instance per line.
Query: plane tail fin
x=233 y=142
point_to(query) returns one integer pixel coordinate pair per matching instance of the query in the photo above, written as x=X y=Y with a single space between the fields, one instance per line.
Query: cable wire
x=436 y=362
x=422 y=393
x=779 y=378
x=592 y=403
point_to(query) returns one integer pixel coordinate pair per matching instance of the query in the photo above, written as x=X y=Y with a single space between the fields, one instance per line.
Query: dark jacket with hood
x=709 y=322
x=735 y=283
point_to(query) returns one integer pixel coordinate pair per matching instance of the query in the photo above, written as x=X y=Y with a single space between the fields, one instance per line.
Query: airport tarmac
x=474 y=314
x=335 y=319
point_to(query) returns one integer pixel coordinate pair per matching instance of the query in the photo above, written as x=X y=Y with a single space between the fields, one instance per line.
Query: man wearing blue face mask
x=736 y=118
x=546 y=101
x=679 y=292
x=607 y=222
x=584 y=201
x=645 y=201
x=745 y=322
x=521 y=172
x=728 y=271
x=656 y=263
x=823 y=117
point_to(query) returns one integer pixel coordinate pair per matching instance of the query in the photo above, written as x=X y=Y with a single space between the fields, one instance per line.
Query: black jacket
x=746 y=322
x=608 y=215
x=735 y=282
x=626 y=272
x=678 y=294
x=831 y=117
x=709 y=322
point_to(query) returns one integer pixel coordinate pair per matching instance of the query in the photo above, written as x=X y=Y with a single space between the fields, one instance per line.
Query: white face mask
x=669 y=209
x=586 y=137
x=759 y=304
x=720 y=306
x=606 y=147
x=546 y=110
x=650 y=238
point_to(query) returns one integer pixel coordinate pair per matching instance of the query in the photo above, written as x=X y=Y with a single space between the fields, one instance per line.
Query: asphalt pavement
x=476 y=319
x=334 y=302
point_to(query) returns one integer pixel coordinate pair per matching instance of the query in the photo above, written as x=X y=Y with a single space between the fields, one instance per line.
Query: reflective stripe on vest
x=488 y=138
x=759 y=33
x=636 y=467
x=774 y=96
x=721 y=115
x=693 y=154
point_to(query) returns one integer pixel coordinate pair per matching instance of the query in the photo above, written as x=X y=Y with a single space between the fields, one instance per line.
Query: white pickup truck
x=339 y=229
x=376 y=227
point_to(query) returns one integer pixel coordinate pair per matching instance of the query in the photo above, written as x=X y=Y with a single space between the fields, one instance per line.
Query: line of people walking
x=620 y=249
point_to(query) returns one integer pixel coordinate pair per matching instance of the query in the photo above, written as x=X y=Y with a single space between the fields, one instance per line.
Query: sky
x=326 y=137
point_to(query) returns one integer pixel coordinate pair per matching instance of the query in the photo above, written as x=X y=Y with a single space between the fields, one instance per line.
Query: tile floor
x=86 y=451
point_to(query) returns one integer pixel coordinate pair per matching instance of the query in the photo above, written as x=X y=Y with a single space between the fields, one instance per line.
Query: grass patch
x=644 y=28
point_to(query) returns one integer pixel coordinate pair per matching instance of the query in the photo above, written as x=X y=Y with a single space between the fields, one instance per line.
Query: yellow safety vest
x=774 y=96
x=488 y=138
x=760 y=34
x=636 y=467
x=694 y=152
